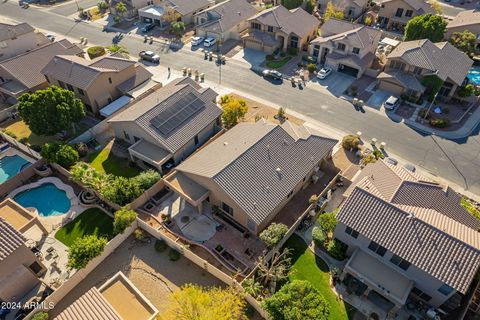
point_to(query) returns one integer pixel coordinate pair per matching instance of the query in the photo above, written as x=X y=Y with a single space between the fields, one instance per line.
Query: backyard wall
x=5 y=113
x=144 y=197
x=100 y=129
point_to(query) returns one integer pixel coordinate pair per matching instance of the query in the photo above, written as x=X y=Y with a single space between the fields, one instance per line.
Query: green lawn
x=307 y=266
x=105 y=161
x=91 y=221
x=21 y=130
x=277 y=64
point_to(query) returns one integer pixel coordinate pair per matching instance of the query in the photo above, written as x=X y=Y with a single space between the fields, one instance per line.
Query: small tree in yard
x=426 y=26
x=350 y=142
x=332 y=12
x=310 y=6
x=319 y=236
x=50 y=111
x=178 y=28
x=234 y=110
x=328 y=221
x=273 y=234
x=464 y=41
x=123 y=219
x=121 y=8
x=63 y=154
x=466 y=91
x=336 y=249
x=269 y=272
x=83 y=250
x=297 y=300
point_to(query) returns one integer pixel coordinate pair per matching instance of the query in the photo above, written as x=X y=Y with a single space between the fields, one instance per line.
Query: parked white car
x=209 y=42
x=197 y=41
x=391 y=103
x=324 y=72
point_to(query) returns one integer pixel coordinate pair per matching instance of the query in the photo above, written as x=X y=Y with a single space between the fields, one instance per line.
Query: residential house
x=465 y=20
x=252 y=171
x=117 y=299
x=19 y=266
x=225 y=20
x=132 y=7
x=18 y=39
x=408 y=239
x=280 y=28
x=96 y=82
x=394 y=14
x=185 y=9
x=169 y=124
x=410 y=61
x=346 y=46
x=352 y=9
x=22 y=73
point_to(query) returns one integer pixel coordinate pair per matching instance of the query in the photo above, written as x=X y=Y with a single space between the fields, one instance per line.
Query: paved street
x=457 y=161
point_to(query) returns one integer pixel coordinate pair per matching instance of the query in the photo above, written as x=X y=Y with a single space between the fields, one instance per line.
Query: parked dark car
x=149 y=56
x=272 y=74
x=146 y=28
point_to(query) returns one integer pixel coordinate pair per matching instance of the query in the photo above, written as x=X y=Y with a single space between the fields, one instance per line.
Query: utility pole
x=433 y=100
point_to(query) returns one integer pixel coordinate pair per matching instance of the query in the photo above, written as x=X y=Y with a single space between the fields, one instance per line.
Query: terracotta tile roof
x=357 y=35
x=464 y=19
x=10 y=239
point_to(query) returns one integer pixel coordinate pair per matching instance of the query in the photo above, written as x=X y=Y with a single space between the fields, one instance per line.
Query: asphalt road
x=457 y=161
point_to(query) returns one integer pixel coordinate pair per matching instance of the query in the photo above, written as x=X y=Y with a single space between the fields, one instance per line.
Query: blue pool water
x=473 y=75
x=46 y=198
x=10 y=166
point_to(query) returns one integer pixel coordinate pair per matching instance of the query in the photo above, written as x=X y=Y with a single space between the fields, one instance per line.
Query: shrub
x=292 y=51
x=311 y=67
x=42 y=315
x=82 y=149
x=102 y=6
x=466 y=91
x=123 y=219
x=85 y=249
x=173 y=255
x=23 y=140
x=269 y=57
x=160 y=245
x=139 y=234
x=313 y=199
x=273 y=234
x=147 y=178
x=369 y=158
x=378 y=154
x=328 y=221
x=95 y=52
x=350 y=142
x=63 y=154
x=319 y=236
x=439 y=123
x=234 y=110
x=336 y=249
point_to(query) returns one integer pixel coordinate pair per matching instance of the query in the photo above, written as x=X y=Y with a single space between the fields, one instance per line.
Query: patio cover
x=390 y=42
x=116 y=105
x=186 y=187
x=13 y=88
x=380 y=277
x=150 y=151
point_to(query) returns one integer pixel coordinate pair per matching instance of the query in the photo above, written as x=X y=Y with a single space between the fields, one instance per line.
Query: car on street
x=324 y=72
x=149 y=56
x=391 y=103
x=146 y=28
x=197 y=41
x=272 y=74
x=209 y=42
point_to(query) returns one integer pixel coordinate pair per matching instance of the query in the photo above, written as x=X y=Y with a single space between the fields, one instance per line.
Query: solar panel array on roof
x=177 y=113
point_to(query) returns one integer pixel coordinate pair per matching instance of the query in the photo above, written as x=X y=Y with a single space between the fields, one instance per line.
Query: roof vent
x=225 y=143
x=411 y=215
x=278 y=170
x=285 y=142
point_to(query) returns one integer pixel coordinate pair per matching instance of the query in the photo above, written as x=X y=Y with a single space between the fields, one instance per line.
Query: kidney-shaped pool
x=46 y=198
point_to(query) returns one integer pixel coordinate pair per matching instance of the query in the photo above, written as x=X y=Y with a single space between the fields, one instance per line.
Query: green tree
x=274 y=270
x=464 y=41
x=252 y=287
x=426 y=26
x=42 y=315
x=336 y=249
x=234 y=110
x=115 y=48
x=319 y=236
x=178 y=28
x=350 y=141
x=292 y=4
x=332 y=12
x=310 y=6
x=83 y=250
x=328 y=221
x=51 y=110
x=121 y=190
x=63 y=154
x=102 y=6
x=120 y=8
x=273 y=234
x=466 y=91
x=123 y=219
x=297 y=300
x=147 y=178
x=433 y=84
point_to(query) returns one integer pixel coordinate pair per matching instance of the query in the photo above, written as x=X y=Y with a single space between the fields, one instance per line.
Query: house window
x=401 y=263
x=127 y=137
x=69 y=87
x=351 y=232
x=316 y=51
x=80 y=92
x=409 y=13
x=399 y=12
x=61 y=84
x=445 y=289
x=195 y=139
x=294 y=42
x=341 y=47
x=356 y=50
x=394 y=64
x=422 y=295
x=256 y=26
x=109 y=80
x=378 y=249
x=270 y=29
x=417 y=70
x=227 y=208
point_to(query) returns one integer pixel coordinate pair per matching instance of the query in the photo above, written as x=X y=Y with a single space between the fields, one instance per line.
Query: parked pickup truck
x=149 y=56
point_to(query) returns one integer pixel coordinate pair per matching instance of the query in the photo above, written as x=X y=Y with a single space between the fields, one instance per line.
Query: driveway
x=377 y=99
x=336 y=83
x=253 y=57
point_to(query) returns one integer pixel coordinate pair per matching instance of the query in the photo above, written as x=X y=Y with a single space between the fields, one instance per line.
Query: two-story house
x=408 y=239
x=96 y=82
x=410 y=61
x=18 y=39
x=394 y=14
x=184 y=10
x=465 y=20
x=345 y=46
x=225 y=20
x=280 y=28
x=167 y=125
x=352 y=9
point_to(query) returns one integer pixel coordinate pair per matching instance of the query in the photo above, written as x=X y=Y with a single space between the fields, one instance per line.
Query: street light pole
x=430 y=106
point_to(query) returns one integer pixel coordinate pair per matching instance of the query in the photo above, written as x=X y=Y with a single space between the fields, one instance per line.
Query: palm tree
x=274 y=270
x=252 y=287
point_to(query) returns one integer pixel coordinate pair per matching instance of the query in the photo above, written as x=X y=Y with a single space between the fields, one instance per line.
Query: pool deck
x=13 y=151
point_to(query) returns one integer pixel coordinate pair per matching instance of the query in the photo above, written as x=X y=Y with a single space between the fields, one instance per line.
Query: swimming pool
x=46 y=198
x=10 y=166
x=473 y=75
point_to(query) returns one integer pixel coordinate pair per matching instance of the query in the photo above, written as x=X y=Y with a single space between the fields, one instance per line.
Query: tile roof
x=420 y=221
x=188 y=6
x=406 y=79
x=296 y=21
x=464 y=19
x=422 y=7
x=26 y=67
x=258 y=164
x=356 y=35
x=231 y=13
x=91 y=305
x=345 y=4
x=10 y=239
x=143 y=111
x=442 y=56
x=9 y=31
